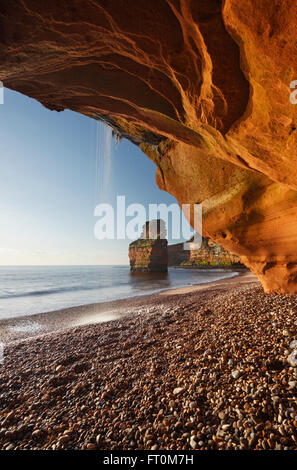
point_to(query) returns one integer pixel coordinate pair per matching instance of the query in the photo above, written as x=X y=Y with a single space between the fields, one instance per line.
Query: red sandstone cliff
x=202 y=86
x=148 y=255
x=210 y=254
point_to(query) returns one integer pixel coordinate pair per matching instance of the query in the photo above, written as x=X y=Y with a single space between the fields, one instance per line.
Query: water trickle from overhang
x=103 y=170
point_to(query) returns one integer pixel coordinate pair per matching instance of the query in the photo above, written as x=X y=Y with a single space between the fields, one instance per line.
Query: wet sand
x=16 y=329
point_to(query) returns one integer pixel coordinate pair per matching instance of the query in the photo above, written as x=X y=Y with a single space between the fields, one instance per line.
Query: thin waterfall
x=103 y=176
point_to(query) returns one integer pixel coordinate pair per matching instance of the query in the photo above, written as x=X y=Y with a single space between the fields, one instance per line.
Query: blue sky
x=49 y=188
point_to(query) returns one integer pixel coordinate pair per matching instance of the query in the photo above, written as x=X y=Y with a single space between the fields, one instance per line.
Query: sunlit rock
x=202 y=86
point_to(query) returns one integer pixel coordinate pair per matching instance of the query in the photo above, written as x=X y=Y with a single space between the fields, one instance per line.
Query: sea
x=27 y=290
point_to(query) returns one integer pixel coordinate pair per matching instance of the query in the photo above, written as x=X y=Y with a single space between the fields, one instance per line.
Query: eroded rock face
x=202 y=86
x=210 y=254
x=148 y=256
x=149 y=253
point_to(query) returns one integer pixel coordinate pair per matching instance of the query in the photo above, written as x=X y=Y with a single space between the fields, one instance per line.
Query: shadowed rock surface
x=201 y=86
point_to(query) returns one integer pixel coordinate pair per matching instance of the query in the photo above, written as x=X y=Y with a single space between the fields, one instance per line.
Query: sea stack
x=149 y=253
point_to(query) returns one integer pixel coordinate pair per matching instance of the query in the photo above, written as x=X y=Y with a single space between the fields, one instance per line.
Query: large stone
x=202 y=86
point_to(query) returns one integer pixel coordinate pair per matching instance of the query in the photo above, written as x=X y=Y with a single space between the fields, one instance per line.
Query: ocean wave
x=56 y=290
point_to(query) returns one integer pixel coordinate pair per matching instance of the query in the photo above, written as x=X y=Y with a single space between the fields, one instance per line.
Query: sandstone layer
x=202 y=86
x=210 y=254
x=148 y=256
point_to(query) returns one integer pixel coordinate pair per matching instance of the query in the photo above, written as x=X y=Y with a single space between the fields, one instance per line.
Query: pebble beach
x=206 y=369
